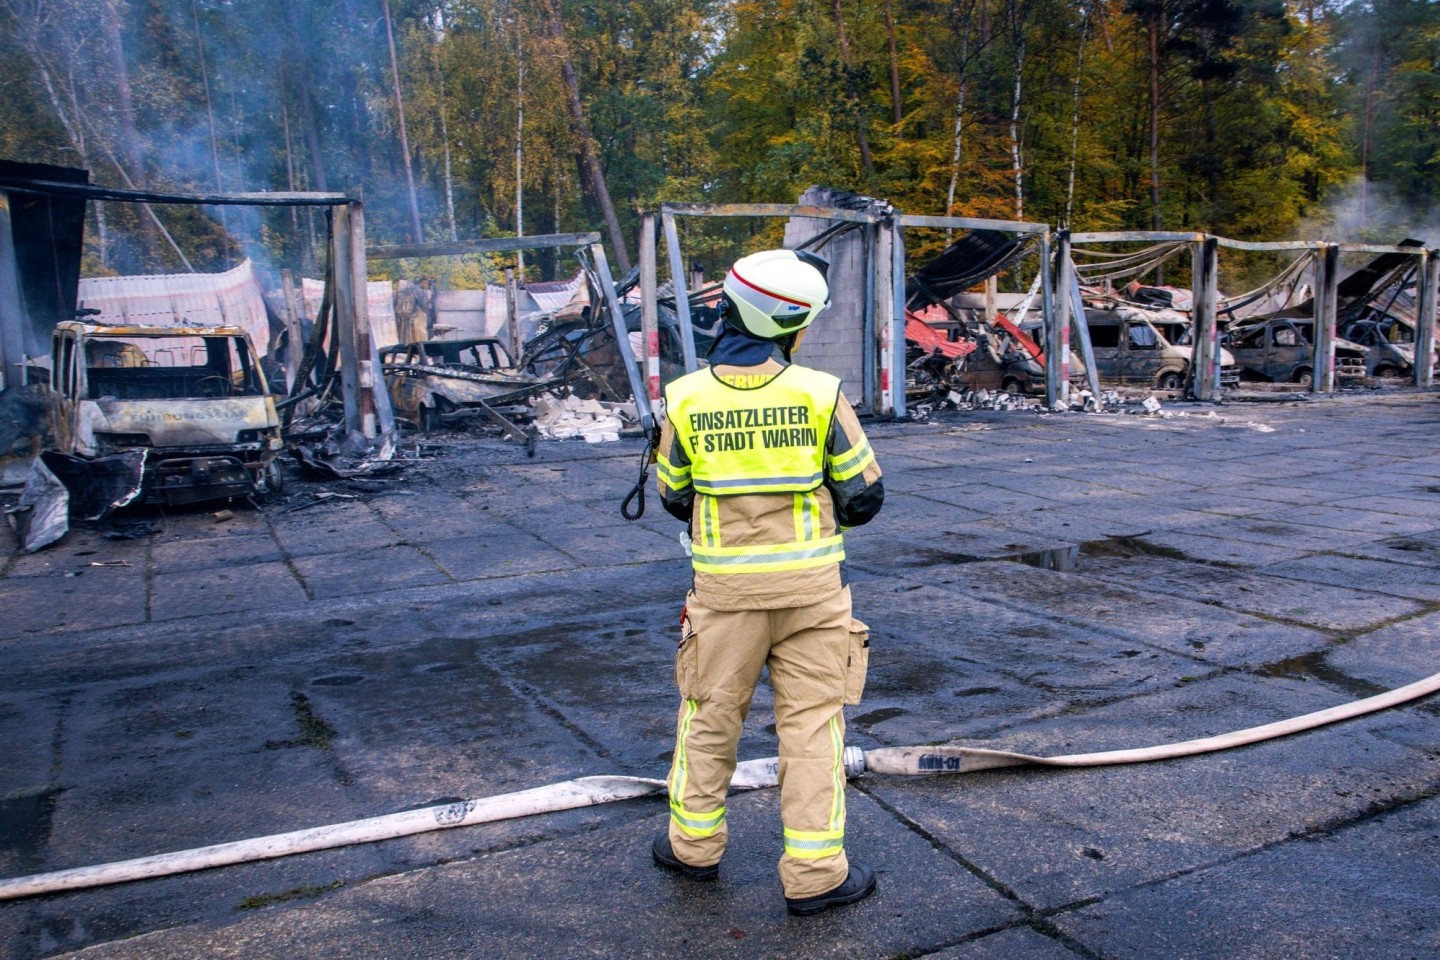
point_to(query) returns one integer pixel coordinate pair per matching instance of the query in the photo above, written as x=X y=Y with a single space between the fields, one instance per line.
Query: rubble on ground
x=570 y=417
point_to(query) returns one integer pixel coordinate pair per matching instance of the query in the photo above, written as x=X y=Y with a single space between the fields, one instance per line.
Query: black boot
x=664 y=855
x=857 y=886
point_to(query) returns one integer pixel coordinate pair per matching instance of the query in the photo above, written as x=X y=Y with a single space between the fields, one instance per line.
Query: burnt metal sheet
x=43 y=514
x=767 y=210
x=99 y=486
x=548 y=241
x=974 y=257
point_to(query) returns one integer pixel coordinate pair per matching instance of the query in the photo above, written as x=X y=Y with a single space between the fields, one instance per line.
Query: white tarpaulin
x=379 y=301
x=232 y=299
x=543 y=297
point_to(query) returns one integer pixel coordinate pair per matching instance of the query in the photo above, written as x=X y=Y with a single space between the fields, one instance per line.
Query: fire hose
x=589 y=791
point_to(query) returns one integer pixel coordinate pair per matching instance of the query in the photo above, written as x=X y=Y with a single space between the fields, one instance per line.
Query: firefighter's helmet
x=776 y=293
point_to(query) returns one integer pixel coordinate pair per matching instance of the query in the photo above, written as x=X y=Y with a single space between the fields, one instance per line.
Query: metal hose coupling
x=854 y=761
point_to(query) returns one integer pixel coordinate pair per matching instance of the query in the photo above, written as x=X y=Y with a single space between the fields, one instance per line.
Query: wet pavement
x=488 y=623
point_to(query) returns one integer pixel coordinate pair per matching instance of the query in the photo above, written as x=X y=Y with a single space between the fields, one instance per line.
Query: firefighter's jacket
x=769 y=465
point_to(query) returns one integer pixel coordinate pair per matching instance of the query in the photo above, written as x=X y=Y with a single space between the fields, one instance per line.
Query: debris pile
x=594 y=421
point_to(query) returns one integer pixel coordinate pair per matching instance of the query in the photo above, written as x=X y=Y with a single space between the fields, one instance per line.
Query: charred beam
x=500 y=245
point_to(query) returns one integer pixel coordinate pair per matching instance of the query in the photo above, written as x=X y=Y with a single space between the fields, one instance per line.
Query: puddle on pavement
x=1065 y=558
x=878 y=716
x=340 y=680
x=25 y=825
x=1312 y=666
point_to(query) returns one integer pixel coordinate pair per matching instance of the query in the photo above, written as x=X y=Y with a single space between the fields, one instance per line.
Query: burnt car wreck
x=194 y=399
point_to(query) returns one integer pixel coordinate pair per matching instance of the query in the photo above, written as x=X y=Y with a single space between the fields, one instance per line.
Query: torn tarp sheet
x=43 y=514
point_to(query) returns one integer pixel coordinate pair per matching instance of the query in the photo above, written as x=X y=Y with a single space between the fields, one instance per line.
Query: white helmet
x=775 y=293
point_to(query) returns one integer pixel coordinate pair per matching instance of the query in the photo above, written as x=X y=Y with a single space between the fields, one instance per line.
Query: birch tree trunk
x=214 y=142
x=1017 y=33
x=1075 y=116
x=1153 y=26
x=131 y=155
x=897 y=111
x=449 y=174
x=295 y=69
x=520 y=149
x=1153 y=65
x=959 y=120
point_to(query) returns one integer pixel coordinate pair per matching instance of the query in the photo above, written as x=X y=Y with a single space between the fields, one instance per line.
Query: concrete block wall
x=835 y=342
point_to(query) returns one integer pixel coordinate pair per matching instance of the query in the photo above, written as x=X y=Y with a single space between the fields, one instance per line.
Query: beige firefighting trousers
x=817 y=656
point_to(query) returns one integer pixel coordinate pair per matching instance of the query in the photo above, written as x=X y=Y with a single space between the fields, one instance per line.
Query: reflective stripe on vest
x=771 y=558
x=764 y=439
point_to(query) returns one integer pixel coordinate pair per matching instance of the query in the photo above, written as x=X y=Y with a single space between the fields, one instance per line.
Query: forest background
x=463 y=119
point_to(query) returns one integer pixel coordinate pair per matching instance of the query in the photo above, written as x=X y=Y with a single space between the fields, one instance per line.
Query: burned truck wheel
x=1305 y=377
x=272 y=481
x=1169 y=380
x=1385 y=370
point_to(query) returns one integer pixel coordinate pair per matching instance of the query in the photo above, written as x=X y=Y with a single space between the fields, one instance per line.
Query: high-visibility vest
x=766 y=439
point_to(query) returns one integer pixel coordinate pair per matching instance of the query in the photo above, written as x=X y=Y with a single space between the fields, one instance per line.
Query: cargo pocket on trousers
x=858 y=662
x=687 y=661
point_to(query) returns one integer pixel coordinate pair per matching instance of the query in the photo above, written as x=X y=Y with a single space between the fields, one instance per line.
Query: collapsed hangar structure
x=862 y=340
x=42 y=213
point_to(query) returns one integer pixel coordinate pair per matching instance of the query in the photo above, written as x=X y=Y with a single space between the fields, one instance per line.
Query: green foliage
x=1267 y=112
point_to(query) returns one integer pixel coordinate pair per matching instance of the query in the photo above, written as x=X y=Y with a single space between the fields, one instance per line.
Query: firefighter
x=766 y=462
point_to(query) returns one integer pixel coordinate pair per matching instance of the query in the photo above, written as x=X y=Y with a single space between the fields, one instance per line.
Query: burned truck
x=192 y=401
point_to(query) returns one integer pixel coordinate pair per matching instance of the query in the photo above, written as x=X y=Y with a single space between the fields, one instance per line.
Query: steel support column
x=1327 y=278
x=12 y=307
x=682 y=296
x=649 y=312
x=345 y=320
x=1205 y=352
x=870 y=347
x=1057 y=330
x=1069 y=293
x=1429 y=273
x=367 y=405
x=512 y=314
x=895 y=327
x=622 y=338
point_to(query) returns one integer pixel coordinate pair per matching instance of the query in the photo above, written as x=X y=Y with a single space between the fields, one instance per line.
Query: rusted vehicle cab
x=1147 y=347
x=1282 y=350
x=193 y=398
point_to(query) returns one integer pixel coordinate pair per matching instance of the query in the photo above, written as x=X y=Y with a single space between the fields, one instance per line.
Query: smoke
x=1368 y=212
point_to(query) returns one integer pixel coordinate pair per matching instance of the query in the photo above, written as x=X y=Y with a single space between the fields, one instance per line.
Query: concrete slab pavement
x=488 y=623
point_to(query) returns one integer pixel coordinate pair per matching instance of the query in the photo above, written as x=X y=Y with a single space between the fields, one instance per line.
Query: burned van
x=1149 y=348
x=1282 y=350
x=192 y=399
x=1388 y=342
